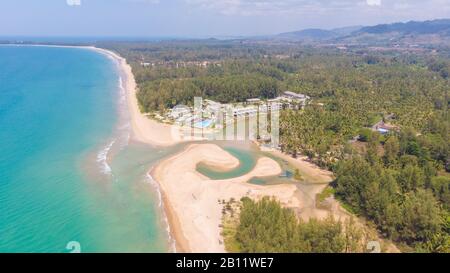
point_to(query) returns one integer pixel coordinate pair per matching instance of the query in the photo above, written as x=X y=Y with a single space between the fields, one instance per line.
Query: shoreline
x=143 y=128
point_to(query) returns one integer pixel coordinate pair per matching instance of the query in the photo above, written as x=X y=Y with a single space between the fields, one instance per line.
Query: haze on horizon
x=203 y=18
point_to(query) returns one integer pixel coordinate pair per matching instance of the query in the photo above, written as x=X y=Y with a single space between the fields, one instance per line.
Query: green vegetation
x=400 y=192
x=264 y=226
x=322 y=201
x=353 y=93
x=351 y=90
x=400 y=181
x=327 y=192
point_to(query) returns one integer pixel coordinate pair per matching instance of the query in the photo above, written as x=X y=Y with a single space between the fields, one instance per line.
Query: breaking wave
x=156 y=186
x=102 y=158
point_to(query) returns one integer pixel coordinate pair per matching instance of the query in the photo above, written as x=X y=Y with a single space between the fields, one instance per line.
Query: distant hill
x=346 y=30
x=434 y=31
x=318 y=34
x=412 y=27
x=308 y=34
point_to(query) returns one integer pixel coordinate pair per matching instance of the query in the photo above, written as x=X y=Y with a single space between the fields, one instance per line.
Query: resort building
x=384 y=128
x=273 y=104
x=295 y=96
x=243 y=111
x=213 y=114
x=179 y=112
x=253 y=101
x=212 y=106
x=293 y=100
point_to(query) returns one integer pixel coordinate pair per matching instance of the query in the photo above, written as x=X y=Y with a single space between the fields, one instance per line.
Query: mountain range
x=433 y=31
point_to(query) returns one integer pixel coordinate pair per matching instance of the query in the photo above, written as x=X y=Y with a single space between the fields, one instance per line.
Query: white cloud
x=413 y=8
x=73 y=2
x=265 y=7
x=373 y=2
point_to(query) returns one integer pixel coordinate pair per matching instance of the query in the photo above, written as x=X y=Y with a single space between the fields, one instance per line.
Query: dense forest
x=357 y=95
x=401 y=191
x=265 y=226
x=400 y=181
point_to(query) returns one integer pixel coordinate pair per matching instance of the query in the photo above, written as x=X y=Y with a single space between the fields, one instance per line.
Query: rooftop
x=295 y=95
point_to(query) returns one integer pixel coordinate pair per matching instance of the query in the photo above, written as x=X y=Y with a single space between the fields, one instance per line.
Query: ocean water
x=68 y=171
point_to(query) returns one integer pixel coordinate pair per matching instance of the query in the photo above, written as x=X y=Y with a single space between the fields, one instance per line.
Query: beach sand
x=144 y=129
x=193 y=199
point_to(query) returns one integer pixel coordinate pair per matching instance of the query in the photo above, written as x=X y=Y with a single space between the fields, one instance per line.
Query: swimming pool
x=203 y=124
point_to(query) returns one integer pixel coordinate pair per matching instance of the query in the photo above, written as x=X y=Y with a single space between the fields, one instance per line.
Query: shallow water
x=67 y=171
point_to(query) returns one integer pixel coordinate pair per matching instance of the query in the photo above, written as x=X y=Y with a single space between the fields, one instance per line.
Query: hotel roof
x=292 y=94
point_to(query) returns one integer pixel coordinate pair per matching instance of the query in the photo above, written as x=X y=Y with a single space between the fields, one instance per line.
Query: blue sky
x=201 y=18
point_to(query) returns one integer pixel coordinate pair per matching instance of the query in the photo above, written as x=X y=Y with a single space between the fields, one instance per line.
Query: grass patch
x=348 y=208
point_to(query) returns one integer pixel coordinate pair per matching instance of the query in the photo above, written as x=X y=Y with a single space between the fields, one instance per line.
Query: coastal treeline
x=264 y=226
x=166 y=94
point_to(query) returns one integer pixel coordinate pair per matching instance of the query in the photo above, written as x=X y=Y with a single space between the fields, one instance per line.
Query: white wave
x=122 y=93
x=124 y=124
x=102 y=158
x=155 y=184
x=121 y=87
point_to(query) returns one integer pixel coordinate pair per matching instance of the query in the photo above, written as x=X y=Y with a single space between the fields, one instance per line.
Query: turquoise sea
x=70 y=177
x=68 y=171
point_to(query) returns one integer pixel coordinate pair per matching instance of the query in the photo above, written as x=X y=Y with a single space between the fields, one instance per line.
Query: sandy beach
x=144 y=129
x=193 y=199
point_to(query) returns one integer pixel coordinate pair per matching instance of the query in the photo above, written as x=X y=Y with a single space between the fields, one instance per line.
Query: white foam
x=102 y=158
x=155 y=184
x=124 y=124
x=124 y=136
x=122 y=92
